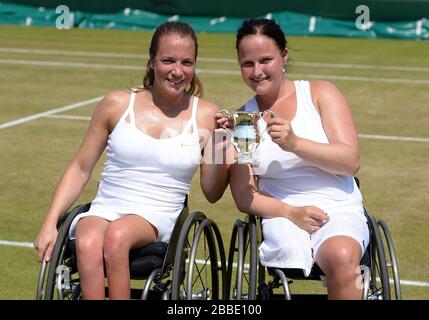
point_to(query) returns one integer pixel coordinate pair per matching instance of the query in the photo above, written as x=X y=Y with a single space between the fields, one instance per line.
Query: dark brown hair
x=266 y=27
x=184 y=30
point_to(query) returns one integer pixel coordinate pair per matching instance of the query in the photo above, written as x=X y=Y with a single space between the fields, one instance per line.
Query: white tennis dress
x=146 y=176
x=293 y=180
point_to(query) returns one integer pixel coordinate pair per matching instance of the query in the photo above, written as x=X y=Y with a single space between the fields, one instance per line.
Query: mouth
x=259 y=80
x=175 y=82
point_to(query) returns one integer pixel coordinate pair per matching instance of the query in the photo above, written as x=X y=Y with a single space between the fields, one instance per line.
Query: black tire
x=235 y=256
x=59 y=266
x=379 y=270
x=222 y=268
x=242 y=252
x=191 y=281
x=392 y=262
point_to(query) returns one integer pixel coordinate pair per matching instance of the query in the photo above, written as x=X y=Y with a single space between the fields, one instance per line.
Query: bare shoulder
x=205 y=106
x=322 y=88
x=326 y=95
x=114 y=102
x=206 y=114
x=110 y=109
x=115 y=99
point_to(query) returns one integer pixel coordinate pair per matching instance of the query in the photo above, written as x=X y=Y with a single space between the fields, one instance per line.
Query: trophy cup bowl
x=246 y=134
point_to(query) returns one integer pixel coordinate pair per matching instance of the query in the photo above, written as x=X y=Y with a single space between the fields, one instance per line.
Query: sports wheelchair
x=378 y=269
x=191 y=266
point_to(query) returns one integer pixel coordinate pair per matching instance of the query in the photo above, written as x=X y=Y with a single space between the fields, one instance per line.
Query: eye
x=246 y=64
x=265 y=60
x=167 y=60
x=188 y=63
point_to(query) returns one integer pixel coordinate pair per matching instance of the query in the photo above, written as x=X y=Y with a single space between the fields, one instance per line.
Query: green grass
x=394 y=174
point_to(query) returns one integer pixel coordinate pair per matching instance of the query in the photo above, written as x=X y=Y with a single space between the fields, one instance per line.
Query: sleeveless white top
x=293 y=180
x=146 y=176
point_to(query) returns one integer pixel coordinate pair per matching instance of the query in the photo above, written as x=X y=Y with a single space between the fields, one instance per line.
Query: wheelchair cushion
x=142 y=261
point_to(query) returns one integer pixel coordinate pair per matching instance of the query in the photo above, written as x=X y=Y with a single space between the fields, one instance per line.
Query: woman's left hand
x=281 y=133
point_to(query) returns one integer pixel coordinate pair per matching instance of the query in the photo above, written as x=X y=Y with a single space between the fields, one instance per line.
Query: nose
x=257 y=70
x=177 y=70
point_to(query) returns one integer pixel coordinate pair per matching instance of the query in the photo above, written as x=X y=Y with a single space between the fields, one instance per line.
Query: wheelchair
x=379 y=270
x=191 y=266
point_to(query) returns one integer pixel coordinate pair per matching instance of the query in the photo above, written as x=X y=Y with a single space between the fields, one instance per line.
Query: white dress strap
x=304 y=92
x=193 y=121
x=130 y=109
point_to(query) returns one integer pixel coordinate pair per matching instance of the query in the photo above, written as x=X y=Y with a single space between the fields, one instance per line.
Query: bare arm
x=249 y=200
x=214 y=167
x=76 y=174
x=341 y=154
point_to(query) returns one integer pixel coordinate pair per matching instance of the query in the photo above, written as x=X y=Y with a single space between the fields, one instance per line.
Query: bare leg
x=89 y=249
x=121 y=235
x=339 y=258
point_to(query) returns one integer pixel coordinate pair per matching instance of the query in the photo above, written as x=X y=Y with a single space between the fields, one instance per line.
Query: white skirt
x=287 y=246
x=163 y=222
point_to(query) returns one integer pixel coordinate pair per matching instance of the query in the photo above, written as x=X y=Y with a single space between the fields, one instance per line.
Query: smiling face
x=174 y=63
x=261 y=63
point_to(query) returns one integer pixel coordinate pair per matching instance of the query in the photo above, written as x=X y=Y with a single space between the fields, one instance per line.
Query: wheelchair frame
x=250 y=282
x=178 y=276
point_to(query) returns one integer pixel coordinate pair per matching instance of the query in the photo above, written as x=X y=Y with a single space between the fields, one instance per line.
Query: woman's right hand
x=309 y=218
x=45 y=242
x=223 y=120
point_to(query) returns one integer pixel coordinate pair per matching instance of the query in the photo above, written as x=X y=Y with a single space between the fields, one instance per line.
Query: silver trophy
x=246 y=134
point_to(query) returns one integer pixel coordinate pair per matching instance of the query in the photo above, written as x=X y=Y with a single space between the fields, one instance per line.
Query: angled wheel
x=379 y=288
x=242 y=261
x=61 y=281
x=391 y=260
x=199 y=271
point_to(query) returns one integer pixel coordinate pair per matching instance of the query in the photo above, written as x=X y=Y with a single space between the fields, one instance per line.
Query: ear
x=285 y=56
x=151 y=63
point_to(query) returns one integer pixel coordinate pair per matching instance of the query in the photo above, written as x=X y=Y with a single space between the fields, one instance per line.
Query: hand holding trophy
x=245 y=133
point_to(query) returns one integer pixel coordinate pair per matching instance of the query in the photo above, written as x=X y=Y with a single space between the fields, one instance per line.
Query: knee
x=89 y=248
x=342 y=264
x=115 y=245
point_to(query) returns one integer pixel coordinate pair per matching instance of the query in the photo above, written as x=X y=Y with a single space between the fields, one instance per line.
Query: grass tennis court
x=43 y=69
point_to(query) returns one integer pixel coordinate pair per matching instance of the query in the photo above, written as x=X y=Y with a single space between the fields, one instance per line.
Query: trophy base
x=254 y=162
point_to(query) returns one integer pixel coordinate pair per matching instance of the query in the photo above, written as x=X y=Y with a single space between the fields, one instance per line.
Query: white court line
x=98 y=54
x=395 y=138
x=59 y=116
x=359 y=66
x=30 y=245
x=364 y=79
x=73 y=53
x=208 y=71
x=71 y=64
x=48 y=113
x=364 y=136
x=207 y=59
x=403 y=282
x=16 y=244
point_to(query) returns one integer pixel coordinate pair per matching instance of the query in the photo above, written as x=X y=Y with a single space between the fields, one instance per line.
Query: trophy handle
x=230 y=117
x=273 y=115
x=262 y=115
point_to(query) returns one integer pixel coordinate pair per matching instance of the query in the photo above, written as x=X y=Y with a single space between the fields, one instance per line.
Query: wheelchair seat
x=316 y=272
x=146 y=259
